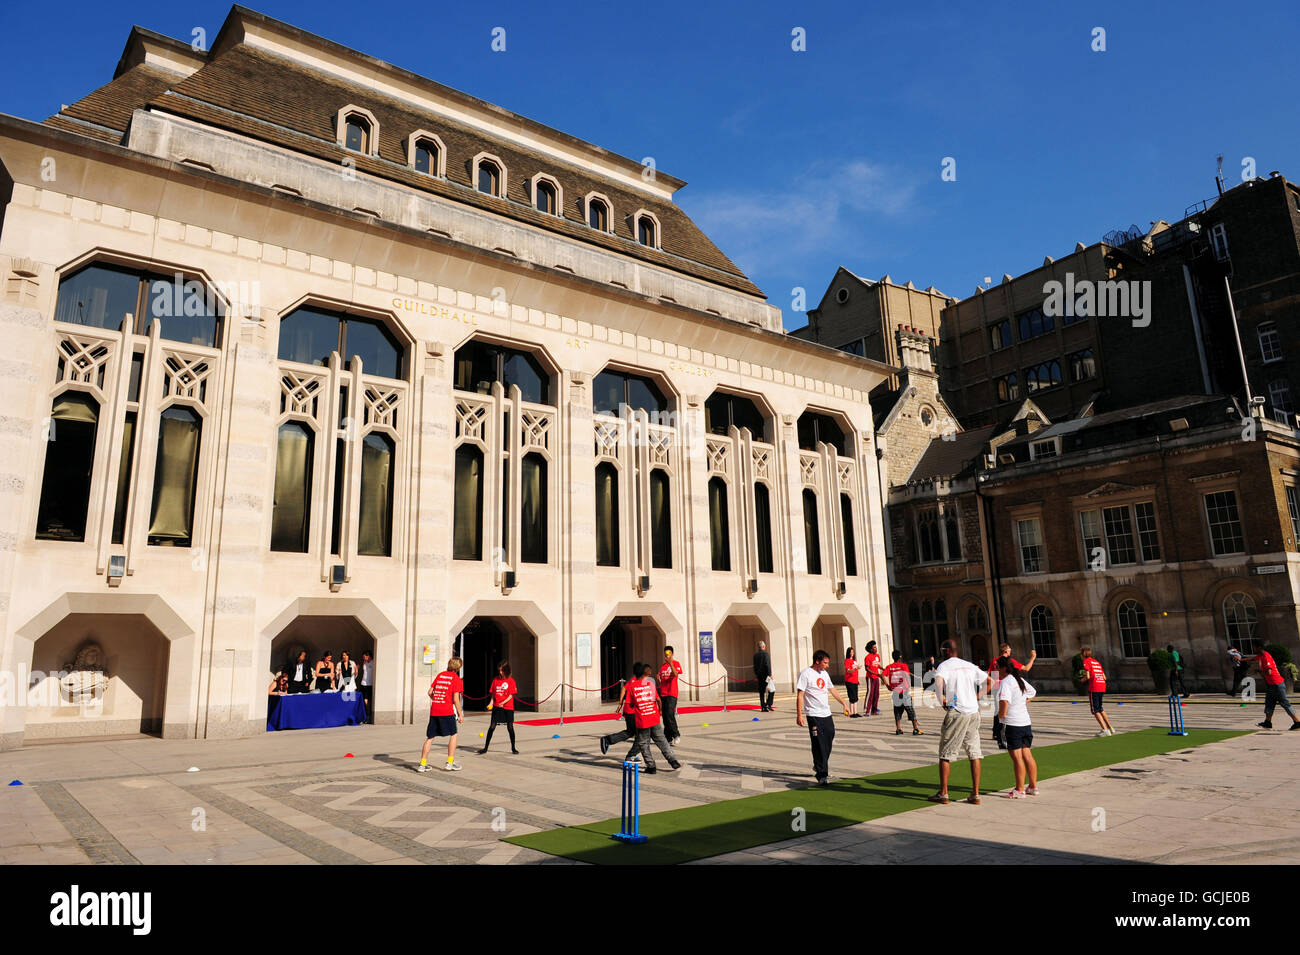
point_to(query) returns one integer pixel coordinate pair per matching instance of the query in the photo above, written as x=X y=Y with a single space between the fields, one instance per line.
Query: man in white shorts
x=959 y=684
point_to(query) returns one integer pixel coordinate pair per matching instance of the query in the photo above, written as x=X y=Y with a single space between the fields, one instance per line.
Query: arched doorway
x=317 y=634
x=483 y=644
x=627 y=640
x=738 y=639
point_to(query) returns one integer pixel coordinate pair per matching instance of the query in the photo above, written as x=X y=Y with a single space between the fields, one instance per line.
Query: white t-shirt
x=816 y=686
x=297 y=673
x=962 y=682
x=367 y=672
x=1017 y=711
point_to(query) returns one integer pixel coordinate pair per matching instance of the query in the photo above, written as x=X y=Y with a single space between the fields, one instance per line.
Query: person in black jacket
x=300 y=673
x=763 y=670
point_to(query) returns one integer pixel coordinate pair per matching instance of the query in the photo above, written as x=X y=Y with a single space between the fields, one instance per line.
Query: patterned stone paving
x=294 y=798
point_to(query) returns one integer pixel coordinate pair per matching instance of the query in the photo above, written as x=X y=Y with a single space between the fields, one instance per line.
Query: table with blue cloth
x=303 y=711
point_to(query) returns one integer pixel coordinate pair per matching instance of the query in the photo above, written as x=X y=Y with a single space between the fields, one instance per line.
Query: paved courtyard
x=297 y=798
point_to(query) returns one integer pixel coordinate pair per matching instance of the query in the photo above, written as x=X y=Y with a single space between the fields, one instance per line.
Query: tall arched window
x=975 y=618
x=952 y=535
x=375 y=531
x=719 y=525
x=928 y=545
x=645 y=232
x=532 y=509
x=1133 y=637
x=467 y=533
x=175 y=479
x=69 y=463
x=598 y=215
x=763 y=525
x=1241 y=621
x=1042 y=627
x=607 y=517
x=850 y=545
x=812 y=538
x=661 y=520
x=291 y=507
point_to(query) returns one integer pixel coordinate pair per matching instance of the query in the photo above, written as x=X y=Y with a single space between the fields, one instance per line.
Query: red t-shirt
x=850 y=670
x=668 y=677
x=993 y=667
x=872 y=661
x=645 y=703
x=1096 y=676
x=1266 y=663
x=898 y=677
x=445 y=687
x=503 y=689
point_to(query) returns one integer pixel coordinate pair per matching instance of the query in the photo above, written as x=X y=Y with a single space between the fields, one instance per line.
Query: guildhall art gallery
x=304 y=351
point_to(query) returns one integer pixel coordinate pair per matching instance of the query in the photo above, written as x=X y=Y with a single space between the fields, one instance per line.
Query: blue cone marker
x=556 y=736
x=16 y=782
x=754 y=720
x=1119 y=704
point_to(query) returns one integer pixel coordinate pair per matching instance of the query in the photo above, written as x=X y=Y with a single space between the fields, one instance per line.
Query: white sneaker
x=1110 y=732
x=451 y=767
x=1103 y=733
x=423 y=768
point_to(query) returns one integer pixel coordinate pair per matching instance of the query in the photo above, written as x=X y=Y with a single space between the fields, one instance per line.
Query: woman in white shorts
x=1013 y=713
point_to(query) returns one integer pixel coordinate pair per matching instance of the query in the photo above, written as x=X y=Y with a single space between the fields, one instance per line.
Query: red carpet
x=597 y=717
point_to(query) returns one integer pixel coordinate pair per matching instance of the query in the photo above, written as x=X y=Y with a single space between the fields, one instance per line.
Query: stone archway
x=174 y=661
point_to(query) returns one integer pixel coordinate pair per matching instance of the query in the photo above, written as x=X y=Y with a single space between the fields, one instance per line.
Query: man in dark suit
x=763 y=670
x=300 y=673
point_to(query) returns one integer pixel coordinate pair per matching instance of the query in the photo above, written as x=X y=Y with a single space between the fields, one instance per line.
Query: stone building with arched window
x=305 y=352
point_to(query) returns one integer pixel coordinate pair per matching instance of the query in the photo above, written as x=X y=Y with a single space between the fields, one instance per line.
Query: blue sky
x=798 y=162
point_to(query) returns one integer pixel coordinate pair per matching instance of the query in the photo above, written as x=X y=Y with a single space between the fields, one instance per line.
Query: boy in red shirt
x=1274 y=690
x=1096 y=689
x=629 y=718
x=871 y=663
x=503 y=692
x=444 y=711
x=899 y=680
x=668 y=672
x=851 y=668
x=649 y=726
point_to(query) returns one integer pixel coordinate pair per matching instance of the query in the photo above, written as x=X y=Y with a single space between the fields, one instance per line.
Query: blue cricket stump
x=1176 y=716
x=630 y=824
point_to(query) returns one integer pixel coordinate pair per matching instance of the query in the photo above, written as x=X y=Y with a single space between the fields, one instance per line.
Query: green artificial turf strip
x=697 y=832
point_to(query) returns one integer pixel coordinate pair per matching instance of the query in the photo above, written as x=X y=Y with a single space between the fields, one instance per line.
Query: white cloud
x=828 y=209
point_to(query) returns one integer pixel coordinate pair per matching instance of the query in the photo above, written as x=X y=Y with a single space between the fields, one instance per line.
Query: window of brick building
x=1224 y=522
x=1279 y=397
x=1029 y=533
x=1241 y=622
x=1270 y=342
x=1000 y=335
x=1007 y=388
x=1083 y=366
x=1042 y=627
x=1033 y=323
x=1133 y=636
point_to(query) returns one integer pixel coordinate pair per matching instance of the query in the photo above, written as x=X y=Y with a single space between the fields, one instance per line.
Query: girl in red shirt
x=872 y=665
x=851 y=668
x=503 y=692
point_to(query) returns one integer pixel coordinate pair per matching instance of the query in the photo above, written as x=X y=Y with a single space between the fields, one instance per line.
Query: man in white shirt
x=813 y=688
x=959 y=685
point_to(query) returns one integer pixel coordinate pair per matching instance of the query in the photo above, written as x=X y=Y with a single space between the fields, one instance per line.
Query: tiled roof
x=111 y=105
x=952 y=458
x=264 y=96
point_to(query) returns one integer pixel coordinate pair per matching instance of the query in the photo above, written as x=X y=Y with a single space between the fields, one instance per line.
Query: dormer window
x=489 y=175
x=598 y=214
x=647 y=230
x=357 y=134
x=358 y=130
x=426 y=154
x=547 y=195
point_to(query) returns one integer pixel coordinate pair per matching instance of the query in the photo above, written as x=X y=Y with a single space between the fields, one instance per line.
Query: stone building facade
x=309 y=352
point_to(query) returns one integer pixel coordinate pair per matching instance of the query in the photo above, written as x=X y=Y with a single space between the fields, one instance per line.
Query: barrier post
x=561 y=702
x=630 y=811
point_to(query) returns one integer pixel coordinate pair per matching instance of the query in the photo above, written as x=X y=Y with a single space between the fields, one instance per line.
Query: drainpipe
x=991 y=557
